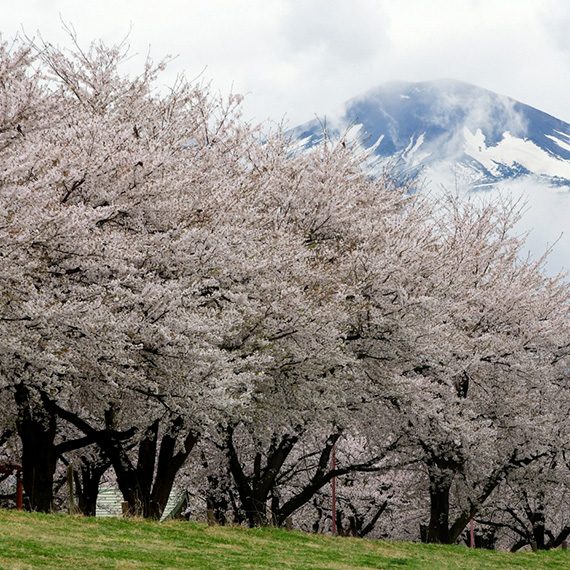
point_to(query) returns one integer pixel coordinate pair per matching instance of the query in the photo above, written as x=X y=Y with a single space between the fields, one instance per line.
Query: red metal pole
x=19 y=491
x=333 y=489
x=472 y=533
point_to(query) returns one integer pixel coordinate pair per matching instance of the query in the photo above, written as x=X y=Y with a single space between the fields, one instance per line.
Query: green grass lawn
x=62 y=542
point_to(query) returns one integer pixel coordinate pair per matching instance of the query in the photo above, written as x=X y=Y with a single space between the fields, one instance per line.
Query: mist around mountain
x=483 y=136
x=460 y=137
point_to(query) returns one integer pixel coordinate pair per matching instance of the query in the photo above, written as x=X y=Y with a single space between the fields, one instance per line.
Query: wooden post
x=333 y=490
x=472 y=533
x=19 y=491
x=71 y=507
x=125 y=509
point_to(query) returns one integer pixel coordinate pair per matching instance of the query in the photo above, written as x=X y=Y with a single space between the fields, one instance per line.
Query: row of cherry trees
x=187 y=301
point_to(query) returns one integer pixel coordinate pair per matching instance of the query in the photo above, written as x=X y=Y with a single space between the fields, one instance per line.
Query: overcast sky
x=297 y=58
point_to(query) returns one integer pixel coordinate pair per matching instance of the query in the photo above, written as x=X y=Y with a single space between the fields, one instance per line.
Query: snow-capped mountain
x=479 y=136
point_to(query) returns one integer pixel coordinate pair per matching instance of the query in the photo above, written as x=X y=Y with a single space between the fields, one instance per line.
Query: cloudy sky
x=297 y=58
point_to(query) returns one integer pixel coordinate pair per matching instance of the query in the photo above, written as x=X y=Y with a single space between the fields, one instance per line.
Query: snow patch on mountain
x=514 y=152
x=560 y=143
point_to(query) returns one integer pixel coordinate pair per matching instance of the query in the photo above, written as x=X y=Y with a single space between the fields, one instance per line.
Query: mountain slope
x=481 y=136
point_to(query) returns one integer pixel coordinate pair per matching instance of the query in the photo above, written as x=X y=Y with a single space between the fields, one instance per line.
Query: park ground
x=63 y=542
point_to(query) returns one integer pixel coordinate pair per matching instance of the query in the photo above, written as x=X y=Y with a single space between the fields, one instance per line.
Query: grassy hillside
x=62 y=542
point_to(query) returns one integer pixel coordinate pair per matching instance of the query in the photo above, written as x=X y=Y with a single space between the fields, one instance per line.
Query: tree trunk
x=538 y=521
x=439 y=491
x=321 y=476
x=169 y=464
x=145 y=488
x=127 y=479
x=37 y=429
x=87 y=481
x=146 y=461
x=127 y=475
x=87 y=487
x=254 y=490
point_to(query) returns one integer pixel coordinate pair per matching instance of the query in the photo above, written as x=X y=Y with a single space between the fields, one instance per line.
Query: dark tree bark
x=321 y=476
x=145 y=488
x=87 y=481
x=37 y=430
x=537 y=520
x=147 y=485
x=169 y=464
x=531 y=528
x=439 y=491
x=217 y=502
x=491 y=483
x=441 y=474
x=358 y=524
x=254 y=490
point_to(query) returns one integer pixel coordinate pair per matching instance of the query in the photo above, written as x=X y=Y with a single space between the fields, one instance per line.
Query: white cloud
x=545 y=218
x=300 y=57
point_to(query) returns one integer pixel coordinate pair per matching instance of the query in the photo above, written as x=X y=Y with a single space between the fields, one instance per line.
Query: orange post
x=333 y=489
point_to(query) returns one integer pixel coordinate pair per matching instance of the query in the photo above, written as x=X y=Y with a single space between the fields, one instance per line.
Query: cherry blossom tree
x=471 y=376
x=176 y=282
x=111 y=255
